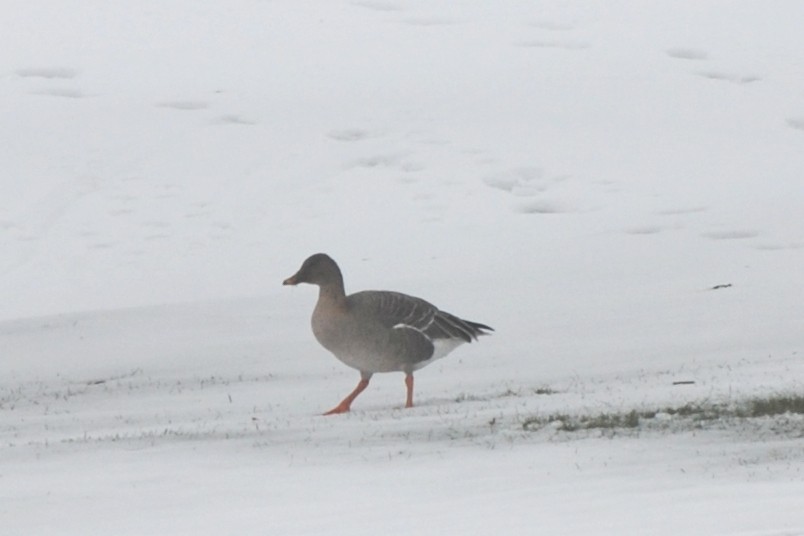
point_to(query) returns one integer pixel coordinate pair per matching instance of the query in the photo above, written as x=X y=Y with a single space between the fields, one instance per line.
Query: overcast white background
x=578 y=175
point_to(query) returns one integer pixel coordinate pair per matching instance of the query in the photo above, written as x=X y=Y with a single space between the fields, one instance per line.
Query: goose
x=377 y=331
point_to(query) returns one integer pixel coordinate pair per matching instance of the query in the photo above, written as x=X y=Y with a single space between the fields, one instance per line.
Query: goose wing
x=397 y=310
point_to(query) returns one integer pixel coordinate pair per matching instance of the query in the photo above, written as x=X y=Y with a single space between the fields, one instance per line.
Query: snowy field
x=616 y=187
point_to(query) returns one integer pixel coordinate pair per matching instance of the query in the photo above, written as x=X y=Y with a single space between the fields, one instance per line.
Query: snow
x=578 y=175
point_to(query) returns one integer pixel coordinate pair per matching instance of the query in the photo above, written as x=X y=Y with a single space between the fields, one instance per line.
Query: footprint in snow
x=349 y=134
x=543 y=207
x=740 y=234
x=66 y=93
x=774 y=246
x=387 y=161
x=522 y=182
x=644 y=230
x=729 y=77
x=530 y=182
x=796 y=123
x=694 y=54
x=232 y=119
x=687 y=53
x=382 y=160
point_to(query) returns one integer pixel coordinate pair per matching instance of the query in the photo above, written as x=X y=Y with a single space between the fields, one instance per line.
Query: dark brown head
x=318 y=269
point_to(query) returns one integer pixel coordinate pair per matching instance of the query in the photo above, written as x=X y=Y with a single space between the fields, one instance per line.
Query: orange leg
x=346 y=403
x=409 y=385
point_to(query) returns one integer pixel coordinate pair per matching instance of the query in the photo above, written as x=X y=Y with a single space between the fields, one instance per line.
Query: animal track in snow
x=376 y=161
x=60 y=73
x=740 y=234
x=62 y=92
x=695 y=54
x=386 y=160
x=529 y=182
x=522 y=182
x=687 y=53
x=394 y=161
x=644 y=230
x=773 y=246
x=349 y=134
x=233 y=119
x=796 y=123
x=729 y=77
x=543 y=207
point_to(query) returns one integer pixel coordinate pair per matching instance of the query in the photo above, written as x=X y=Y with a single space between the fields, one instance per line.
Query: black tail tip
x=481 y=329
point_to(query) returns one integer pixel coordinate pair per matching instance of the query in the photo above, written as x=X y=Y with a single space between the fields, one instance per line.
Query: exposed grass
x=696 y=412
x=699 y=411
x=573 y=423
x=467 y=397
x=545 y=391
x=776 y=405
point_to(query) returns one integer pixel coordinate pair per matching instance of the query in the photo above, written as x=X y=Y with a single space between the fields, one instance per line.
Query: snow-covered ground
x=616 y=187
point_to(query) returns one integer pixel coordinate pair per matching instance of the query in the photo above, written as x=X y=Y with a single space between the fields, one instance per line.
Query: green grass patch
x=545 y=391
x=775 y=405
x=696 y=412
x=573 y=423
